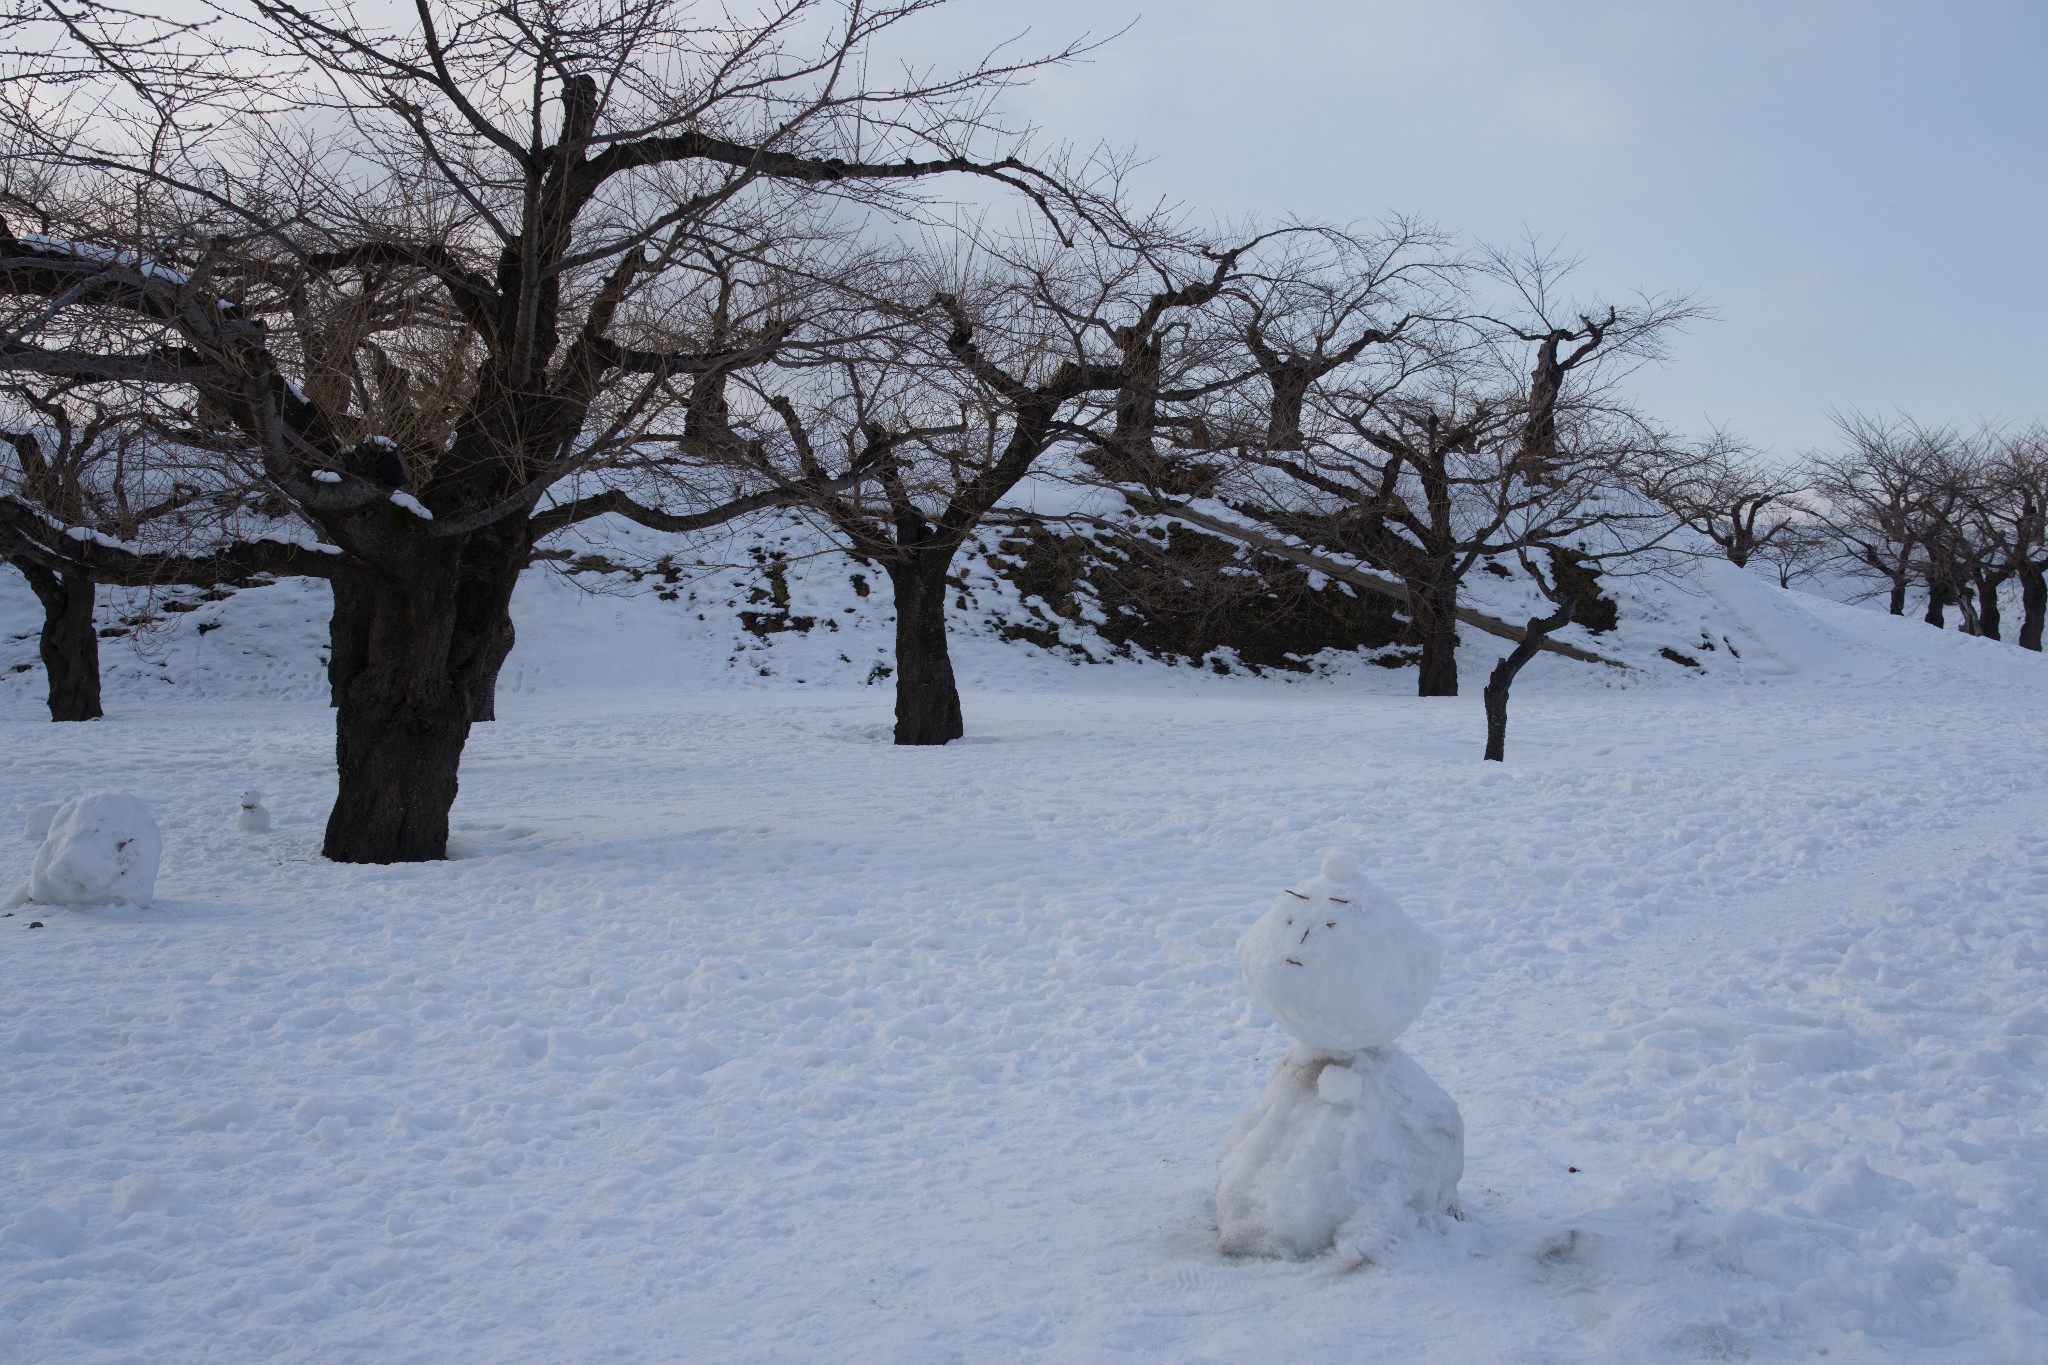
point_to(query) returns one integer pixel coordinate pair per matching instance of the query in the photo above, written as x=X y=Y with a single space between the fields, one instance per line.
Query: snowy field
x=736 y=1034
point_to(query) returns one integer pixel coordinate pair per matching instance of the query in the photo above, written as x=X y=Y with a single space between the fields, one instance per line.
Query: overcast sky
x=1856 y=188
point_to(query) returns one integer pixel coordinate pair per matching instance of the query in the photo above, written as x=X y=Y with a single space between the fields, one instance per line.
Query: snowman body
x=1352 y=1145
x=253 y=818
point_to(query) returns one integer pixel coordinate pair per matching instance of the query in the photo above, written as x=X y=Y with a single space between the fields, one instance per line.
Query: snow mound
x=101 y=849
x=1337 y=964
x=1352 y=1154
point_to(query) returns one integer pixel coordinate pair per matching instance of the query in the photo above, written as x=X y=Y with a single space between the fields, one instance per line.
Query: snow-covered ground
x=735 y=1033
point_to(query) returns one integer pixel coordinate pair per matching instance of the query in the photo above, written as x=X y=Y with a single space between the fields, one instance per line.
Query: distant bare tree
x=2021 y=474
x=1452 y=445
x=1876 y=494
x=84 y=463
x=1799 y=548
x=1728 y=493
x=1040 y=343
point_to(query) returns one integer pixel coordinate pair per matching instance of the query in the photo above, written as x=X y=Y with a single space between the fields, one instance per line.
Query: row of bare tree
x=1956 y=515
x=292 y=293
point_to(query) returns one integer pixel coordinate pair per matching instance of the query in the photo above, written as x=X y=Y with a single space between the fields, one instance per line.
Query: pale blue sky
x=1856 y=188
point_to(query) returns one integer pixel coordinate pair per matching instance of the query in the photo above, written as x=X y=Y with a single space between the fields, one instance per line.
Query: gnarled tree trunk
x=1435 y=610
x=1937 y=601
x=1989 y=622
x=2033 y=605
x=70 y=646
x=1502 y=679
x=484 y=703
x=409 y=653
x=927 y=697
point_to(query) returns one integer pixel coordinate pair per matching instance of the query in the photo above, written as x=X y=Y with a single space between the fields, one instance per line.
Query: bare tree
x=1724 y=490
x=1876 y=493
x=1433 y=453
x=1038 y=343
x=84 y=463
x=1984 y=534
x=510 y=203
x=2021 y=474
x=1604 y=458
x=1798 y=548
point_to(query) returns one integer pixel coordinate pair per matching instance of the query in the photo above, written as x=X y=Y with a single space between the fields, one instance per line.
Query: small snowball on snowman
x=1352 y=1145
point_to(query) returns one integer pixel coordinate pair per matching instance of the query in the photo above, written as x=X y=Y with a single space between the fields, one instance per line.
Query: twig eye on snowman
x=1351 y=1146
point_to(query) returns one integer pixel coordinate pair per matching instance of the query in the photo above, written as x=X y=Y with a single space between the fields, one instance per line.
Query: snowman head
x=251 y=799
x=1336 y=962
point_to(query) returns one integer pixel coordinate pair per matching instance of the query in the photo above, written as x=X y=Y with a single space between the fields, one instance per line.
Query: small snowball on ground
x=253 y=819
x=101 y=849
x=1336 y=962
x=1351 y=1154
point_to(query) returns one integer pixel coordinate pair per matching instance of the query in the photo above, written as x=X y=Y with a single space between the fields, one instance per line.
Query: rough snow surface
x=1337 y=964
x=102 y=848
x=734 y=1033
x=1351 y=1153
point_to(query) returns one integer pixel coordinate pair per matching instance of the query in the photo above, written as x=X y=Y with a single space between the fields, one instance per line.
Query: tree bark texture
x=70 y=645
x=484 y=704
x=1435 y=611
x=409 y=656
x=1937 y=603
x=1989 y=622
x=1496 y=697
x=2033 y=605
x=927 y=697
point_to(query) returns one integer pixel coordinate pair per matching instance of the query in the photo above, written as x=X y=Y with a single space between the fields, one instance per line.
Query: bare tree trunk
x=1937 y=601
x=70 y=645
x=2033 y=605
x=1988 y=619
x=1898 y=599
x=1435 y=610
x=348 y=640
x=1496 y=697
x=927 y=697
x=408 y=657
x=1503 y=677
x=484 y=703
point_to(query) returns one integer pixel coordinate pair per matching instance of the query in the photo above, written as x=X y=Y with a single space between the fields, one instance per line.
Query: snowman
x=253 y=818
x=1352 y=1145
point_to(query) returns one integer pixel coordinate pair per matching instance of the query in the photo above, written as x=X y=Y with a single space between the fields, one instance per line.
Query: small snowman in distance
x=253 y=818
x=1352 y=1145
